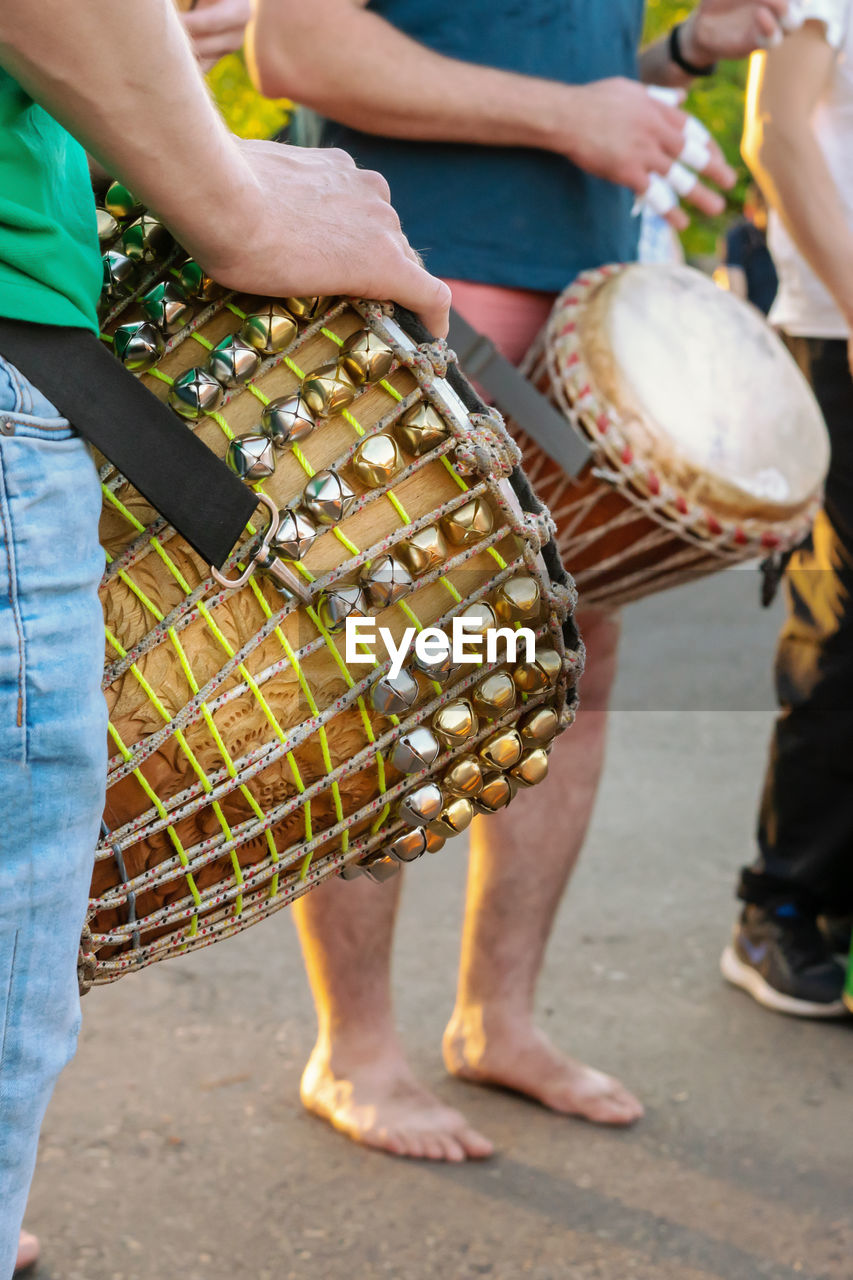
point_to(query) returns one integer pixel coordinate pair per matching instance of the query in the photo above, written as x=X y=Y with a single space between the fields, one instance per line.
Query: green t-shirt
x=50 y=265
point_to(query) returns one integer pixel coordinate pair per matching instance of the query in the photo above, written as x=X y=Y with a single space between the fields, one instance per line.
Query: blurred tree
x=248 y=113
x=718 y=102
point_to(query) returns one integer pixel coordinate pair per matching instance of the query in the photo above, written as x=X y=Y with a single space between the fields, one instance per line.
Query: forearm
x=147 y=119
x=793 y=174
x=657 y=67
x=372 y=77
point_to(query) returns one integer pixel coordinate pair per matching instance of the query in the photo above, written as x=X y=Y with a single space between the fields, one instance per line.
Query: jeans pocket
x=25 y=411
x=27 y=426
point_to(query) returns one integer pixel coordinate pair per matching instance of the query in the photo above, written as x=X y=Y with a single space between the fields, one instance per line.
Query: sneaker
x=783 y=960
x=838 y=931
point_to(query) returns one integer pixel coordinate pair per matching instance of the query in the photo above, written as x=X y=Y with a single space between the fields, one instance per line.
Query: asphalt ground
x=176 y=1144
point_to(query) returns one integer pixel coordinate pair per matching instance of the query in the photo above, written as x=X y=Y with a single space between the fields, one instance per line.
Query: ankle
x=344 y=1050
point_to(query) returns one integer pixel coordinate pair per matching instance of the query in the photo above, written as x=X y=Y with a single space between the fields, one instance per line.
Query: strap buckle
x=266 y=559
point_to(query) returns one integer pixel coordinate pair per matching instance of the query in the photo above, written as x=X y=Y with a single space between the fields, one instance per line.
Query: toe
x=433 y=1146
x=454 y=1152
x=475 y=1146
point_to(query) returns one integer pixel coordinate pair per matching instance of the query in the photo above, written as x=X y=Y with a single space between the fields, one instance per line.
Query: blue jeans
x=52 y=762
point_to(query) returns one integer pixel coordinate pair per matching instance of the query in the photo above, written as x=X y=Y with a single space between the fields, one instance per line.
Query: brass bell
x=107 y=226
x=198 y=284
x=409 y=846
x=376 y=461
x=352 y=871
x=482 y=614
x=434 y=843
x=251 y=457
x=269 y=330
x=539 y=726
x=438 y=664
x=455 y=818
x=146 y=240
x=423 y=550
x=366 y=357
x=469 y=523
x=530 y=677
x=455 y=723
x=306 y=308
x=532 y=767
x=393 y=696
x=327 y=390
x=339 y=603
x=119 y=275
x=518 y=599
x=385 y=581
x=464 y=777
x=287 y=421
x=233 y=362
x=195 y=393
x=119 y=202
x=494 y=696
x=295 y=535
x=496 y=793
x=503 y=749
x=166 y=306
x=327 y=498
x=416 y=750
x=421 y=805
x=138 y=346
x=420 y=429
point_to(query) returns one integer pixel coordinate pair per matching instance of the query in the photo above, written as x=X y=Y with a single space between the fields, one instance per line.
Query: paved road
x=176 y=1145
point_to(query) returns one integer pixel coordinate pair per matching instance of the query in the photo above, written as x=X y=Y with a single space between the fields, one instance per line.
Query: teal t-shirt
x=510 y=216
x=50 y=264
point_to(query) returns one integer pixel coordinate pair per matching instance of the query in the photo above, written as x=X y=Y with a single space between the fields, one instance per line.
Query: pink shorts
x=510 y=317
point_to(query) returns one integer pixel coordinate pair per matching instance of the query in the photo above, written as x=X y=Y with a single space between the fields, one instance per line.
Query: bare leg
x=520 y=864
x=357 y=1077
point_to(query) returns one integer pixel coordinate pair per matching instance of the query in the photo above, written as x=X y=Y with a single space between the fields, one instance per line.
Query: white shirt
x=804 y=306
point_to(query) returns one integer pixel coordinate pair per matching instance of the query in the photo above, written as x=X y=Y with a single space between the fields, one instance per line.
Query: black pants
x=805 y=831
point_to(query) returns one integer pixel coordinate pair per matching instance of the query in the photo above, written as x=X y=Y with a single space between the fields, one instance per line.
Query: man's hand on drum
x=315 y=224
x=216 y=27
x=646 y=143
x=731 y=29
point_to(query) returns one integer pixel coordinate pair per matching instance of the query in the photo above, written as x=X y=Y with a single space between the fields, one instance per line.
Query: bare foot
x=380 y=1104
x=28 y=1253
x=518 y=1056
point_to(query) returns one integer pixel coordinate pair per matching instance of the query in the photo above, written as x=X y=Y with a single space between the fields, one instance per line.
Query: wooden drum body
x=709 y=447
x=248 y=759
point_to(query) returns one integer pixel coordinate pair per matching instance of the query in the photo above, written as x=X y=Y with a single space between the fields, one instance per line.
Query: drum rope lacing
x=493 y=455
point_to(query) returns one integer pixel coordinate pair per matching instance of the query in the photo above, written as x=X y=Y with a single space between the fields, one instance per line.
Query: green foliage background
x=718 y=102
x=247 y=113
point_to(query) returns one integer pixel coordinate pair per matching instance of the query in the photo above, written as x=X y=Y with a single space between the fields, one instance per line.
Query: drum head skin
x=704 y=390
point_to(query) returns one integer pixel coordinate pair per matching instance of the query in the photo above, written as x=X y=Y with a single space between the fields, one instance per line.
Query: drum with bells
x=709 y=448
x=249 y=759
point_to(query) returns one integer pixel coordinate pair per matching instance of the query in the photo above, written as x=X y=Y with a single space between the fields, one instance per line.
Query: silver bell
x=327 y=498
x=339 y=603
x=138 y=346
x=269 y=330
x=422 y=805
x=409 y=846
x=233 y=362
x=197 y=284
x=416 y=750
x=166 y=306
x=195 y=393
x=438 y=664
x=119 y=275
x=294 y=536
x=251 y=457
x=146 y=240
x=287 y=421
x=385 y=581
x=392 y=696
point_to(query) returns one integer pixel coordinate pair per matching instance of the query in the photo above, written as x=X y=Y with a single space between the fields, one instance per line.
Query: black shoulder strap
x=174 y=470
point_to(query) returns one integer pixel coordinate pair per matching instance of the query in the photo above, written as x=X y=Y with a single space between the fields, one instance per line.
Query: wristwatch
x=679 y=59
